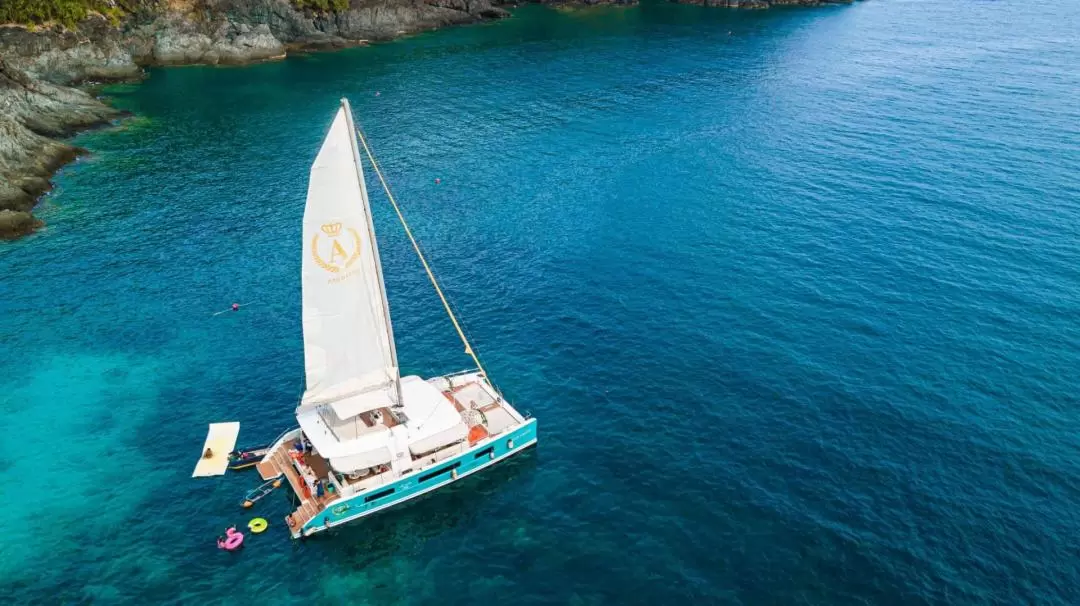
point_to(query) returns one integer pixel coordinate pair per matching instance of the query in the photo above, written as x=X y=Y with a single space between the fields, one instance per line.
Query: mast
x=374 y=247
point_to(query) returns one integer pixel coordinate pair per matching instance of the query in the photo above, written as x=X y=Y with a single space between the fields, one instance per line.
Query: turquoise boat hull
x=480 y=457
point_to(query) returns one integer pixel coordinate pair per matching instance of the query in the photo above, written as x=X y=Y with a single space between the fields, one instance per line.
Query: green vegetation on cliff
x=322 y=5
x=68 y=12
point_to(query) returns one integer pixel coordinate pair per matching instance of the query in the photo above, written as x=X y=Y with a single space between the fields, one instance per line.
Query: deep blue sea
x=795 y=295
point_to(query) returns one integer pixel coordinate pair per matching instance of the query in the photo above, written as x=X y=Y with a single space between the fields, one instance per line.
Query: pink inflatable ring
x=232 y=541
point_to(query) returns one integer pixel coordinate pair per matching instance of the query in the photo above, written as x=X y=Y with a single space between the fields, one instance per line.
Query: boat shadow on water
x=409 y=525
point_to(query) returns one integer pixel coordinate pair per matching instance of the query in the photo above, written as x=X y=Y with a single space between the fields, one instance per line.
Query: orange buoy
x=477 y=433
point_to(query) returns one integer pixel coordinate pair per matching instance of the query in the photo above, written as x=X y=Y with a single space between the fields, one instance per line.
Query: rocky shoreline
x=33 y=114
x=40 y=68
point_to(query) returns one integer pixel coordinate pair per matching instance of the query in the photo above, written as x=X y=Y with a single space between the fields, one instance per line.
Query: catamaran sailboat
x=369 y=438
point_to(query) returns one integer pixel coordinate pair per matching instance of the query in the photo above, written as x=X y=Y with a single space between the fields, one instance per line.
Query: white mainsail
x=349 y=354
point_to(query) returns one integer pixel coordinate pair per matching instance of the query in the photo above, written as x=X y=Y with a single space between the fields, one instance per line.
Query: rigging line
x=431 y=275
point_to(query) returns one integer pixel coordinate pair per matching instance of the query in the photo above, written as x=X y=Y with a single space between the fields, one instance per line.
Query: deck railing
x=281 y=436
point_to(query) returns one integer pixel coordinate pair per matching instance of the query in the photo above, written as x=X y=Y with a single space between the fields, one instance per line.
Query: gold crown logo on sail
x=333 y=254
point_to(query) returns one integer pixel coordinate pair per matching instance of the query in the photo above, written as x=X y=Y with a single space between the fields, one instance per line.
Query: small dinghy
x=243 y=458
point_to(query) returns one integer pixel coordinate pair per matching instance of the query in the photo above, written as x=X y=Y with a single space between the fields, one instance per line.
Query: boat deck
x=349 y=429
x=471 y=396
x=475 y=397
x=279 y=463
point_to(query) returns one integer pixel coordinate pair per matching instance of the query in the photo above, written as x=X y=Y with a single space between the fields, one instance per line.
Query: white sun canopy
x=349 y=354
x=433 y=420
x=371 y=458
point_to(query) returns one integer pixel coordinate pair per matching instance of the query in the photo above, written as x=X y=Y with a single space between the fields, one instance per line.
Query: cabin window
x=379 y=495
x=435 y=474
x=490 y=450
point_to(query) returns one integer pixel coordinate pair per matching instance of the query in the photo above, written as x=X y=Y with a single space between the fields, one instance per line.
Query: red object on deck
x=477 y=433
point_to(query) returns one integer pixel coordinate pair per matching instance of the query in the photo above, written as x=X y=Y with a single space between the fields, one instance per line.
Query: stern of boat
x=279 y=462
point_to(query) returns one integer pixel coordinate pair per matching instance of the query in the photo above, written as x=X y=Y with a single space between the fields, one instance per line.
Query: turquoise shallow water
x=794 y=295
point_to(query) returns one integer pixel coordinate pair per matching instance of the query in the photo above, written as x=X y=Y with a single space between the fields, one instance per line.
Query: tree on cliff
x=322 y=5
x=68 y=12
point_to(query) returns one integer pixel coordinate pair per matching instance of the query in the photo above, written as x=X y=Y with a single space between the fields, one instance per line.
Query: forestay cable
x=427 y=268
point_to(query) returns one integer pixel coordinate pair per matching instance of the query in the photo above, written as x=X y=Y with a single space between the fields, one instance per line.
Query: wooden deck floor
x=319 y=466
x=279 y=463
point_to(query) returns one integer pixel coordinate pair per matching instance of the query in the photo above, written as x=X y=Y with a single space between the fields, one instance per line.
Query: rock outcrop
x=173 y=32
x=178 y=41
x=38 y=67
x=32 y=114
x=95 y=52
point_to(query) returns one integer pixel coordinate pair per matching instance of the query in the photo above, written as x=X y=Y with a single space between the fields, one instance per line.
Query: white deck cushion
x=364 y=460
x=443 y=438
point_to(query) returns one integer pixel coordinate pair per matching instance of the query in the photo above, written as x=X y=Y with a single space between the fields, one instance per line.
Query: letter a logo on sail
x=337 y=250
x=333 y=252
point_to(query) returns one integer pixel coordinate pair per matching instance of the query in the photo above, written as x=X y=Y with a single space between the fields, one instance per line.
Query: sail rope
x=423 y=260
